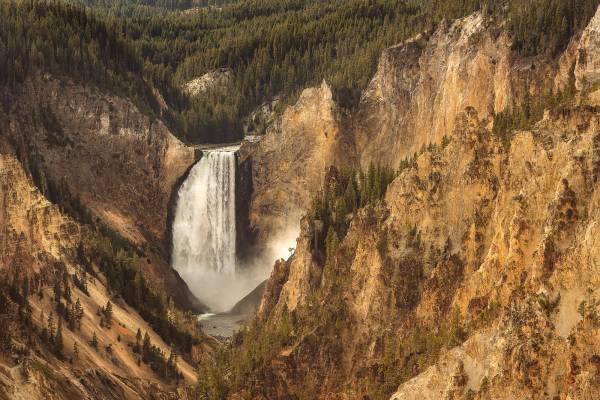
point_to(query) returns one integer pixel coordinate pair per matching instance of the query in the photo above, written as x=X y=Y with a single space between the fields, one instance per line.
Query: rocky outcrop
x=421 y=85
x=469 y=230
x=99 y=155
x=587 y=67
x=35 y=234
x=262 y=118
x=119 y=162
x=218 y=81
x=289 y=161
x=477 y=277
x=33 y=229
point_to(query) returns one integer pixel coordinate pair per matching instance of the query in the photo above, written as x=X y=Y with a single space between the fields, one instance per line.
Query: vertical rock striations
x=289 y=161
x=104 y=160
x=477 y=277
x=119 y=162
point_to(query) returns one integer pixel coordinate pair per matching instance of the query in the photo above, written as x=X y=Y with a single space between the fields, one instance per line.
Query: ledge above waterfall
x=233 y=147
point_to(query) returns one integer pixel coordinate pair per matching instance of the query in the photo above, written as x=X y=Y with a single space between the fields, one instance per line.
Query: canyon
x=474 y=278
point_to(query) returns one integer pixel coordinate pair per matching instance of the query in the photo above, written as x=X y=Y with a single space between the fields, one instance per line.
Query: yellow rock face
x=507 y=238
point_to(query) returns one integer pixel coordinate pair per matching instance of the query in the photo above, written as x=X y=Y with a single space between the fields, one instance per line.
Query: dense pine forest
x=273 y=47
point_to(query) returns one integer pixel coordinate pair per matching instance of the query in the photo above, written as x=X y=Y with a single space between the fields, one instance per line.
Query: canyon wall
x=421 y=85
x=121 y=163
x=110 y=159
x=289 y=161
x=34 y=235
x=476 y=278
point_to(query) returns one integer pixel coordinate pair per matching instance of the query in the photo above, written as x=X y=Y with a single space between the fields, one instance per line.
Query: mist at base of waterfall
x=220 y=292
x=204 y=236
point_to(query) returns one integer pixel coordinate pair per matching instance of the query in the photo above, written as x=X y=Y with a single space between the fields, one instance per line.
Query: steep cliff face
x=120 y=163
x=492 y=239
x=421 y=85
x=588 y=62
x=35 y=234
x=476 y=278
x=525 y=247
x=32 y=228
x=100 y=151
x=289 y=161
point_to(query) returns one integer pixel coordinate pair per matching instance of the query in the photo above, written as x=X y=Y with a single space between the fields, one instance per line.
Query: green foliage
x=546 y=26
x=278 y=47
x=94 y=341
x=273 y=48
x=404 y=357
x=64 y=39
x=108 y=314
x=74 y=315
x=530 y=111
x=214 y=373
x=154 y=356
x=248 y=358
x=117 y=259
x=149 y=7
x=446 y=141
x=124 y=279
x=344 y=192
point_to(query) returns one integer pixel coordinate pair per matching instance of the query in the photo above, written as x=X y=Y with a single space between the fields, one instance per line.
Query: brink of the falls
x=204 y=231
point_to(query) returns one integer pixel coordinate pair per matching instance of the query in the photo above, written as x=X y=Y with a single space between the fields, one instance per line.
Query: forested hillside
x=280 y=47
x=149 y=7
x=273 y=47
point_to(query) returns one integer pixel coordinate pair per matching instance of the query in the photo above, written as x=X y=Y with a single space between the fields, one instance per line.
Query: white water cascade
x=204 y=231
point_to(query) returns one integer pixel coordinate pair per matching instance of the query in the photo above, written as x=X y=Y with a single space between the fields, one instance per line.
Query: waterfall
x=204 y=232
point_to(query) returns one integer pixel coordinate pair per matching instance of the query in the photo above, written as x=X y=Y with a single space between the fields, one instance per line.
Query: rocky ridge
x=476 y=278
x=35 y=234
x=218 y=81
x=119 y=164
x=288 y=162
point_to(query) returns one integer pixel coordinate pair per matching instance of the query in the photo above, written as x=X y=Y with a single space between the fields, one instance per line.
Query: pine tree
x=75 y=351
x=51 y=327
x=57 y=291
x=78 y=313
x=94 y=341
x=58 y=340
x=137 y=347
x=146 y=347
x=67 y=293
x=108 y=313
